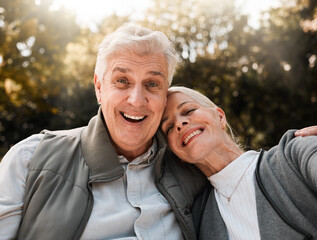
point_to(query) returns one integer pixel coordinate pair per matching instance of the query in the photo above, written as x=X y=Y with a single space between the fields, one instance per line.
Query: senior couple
x=116 y=179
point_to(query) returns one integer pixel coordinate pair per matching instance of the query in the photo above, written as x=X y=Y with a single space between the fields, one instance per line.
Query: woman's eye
x=189 y=111
x=168 y=129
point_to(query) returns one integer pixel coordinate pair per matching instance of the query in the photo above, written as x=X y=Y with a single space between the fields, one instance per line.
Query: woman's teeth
x=191 y=135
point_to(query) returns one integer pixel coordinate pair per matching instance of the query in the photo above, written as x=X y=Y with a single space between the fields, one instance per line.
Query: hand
x=308 y=131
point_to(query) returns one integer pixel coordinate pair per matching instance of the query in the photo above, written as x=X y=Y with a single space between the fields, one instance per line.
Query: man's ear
x=97 y=88
x=222 y=117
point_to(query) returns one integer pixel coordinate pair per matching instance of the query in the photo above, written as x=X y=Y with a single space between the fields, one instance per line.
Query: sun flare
x=254 y=9
x=91 y=12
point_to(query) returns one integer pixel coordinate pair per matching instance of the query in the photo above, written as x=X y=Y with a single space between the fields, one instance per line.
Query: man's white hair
x=139 y=40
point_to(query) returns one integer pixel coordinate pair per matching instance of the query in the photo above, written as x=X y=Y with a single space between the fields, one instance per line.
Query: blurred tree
x=276 y=74
x=196 y=27
x=33 y=39
x=265 y=79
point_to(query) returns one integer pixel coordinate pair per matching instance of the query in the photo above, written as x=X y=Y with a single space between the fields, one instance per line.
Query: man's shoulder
x=60 y=139
x=75 y=132
x=30 y=141
x=56 y=150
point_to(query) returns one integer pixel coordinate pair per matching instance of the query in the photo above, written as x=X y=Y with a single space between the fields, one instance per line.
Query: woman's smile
x=190 y=135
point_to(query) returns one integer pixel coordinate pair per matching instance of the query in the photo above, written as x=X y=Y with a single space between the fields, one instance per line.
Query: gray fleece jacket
x=286 y=194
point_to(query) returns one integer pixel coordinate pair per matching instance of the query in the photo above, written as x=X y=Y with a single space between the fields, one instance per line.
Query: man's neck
x=131 y=153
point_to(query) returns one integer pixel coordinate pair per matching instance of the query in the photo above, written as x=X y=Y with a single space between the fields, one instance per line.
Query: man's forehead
x=123 y=69
x=130 y=59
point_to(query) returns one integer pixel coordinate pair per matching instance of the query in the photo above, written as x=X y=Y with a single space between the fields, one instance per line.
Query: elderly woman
x=255 y=194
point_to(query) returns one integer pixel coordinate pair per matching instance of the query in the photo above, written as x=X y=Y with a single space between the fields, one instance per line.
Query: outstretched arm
x=303 y=152
x=308 y=131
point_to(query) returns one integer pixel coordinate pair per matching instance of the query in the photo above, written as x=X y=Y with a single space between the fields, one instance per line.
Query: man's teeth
x=133 y=117
x=191 y=135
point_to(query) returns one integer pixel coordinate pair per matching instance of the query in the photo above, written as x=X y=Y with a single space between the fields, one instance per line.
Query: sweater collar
x=227 y=180
x=100 y=155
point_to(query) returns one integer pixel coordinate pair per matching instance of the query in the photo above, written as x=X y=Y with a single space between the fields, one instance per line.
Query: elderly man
x=107 y=180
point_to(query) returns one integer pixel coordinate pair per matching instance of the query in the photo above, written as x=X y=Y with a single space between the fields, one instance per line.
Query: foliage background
x=265 y=79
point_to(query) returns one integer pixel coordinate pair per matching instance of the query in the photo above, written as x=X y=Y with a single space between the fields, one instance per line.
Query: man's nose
x=137 y=96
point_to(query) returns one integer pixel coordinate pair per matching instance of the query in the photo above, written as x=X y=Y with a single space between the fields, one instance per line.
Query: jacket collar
x=100 y=155
x=98 y=151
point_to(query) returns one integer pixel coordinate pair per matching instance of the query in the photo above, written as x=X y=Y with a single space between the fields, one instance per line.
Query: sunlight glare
x=90 y=13
x=254 y=8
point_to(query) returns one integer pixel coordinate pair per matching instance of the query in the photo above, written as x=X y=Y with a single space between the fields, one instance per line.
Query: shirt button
x=130 y=167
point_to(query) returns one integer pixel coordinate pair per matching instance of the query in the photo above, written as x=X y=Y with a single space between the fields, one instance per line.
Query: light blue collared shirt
x=128 y=208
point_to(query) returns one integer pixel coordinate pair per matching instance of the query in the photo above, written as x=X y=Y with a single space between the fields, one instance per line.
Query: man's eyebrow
x=121 y=69
x=178 y=107
x=157 y=73
x=125 y=70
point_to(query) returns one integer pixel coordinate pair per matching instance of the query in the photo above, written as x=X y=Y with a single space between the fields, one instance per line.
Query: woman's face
x=192 y=131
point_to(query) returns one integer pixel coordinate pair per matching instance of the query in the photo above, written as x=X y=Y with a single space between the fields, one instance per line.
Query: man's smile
x=133 y=118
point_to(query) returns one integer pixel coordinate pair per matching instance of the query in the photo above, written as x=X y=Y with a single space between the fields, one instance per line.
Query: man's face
x=133 y=96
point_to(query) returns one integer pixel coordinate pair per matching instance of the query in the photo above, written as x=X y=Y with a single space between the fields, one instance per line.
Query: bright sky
x=254 y=8
x=90 y=12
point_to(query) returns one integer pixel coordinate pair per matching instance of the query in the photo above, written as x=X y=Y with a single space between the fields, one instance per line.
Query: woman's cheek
x=172 y=144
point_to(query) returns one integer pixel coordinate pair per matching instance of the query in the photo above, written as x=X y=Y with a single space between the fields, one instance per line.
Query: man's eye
x=122 y=82
x=152 y=84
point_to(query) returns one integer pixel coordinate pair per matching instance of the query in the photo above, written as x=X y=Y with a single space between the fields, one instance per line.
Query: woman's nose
x=182 y=124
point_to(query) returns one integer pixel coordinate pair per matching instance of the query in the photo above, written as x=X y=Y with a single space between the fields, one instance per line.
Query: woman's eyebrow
x=183 y=103
x=178 y=107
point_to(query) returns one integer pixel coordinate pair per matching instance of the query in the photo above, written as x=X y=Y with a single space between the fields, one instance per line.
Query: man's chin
x=132 y=144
